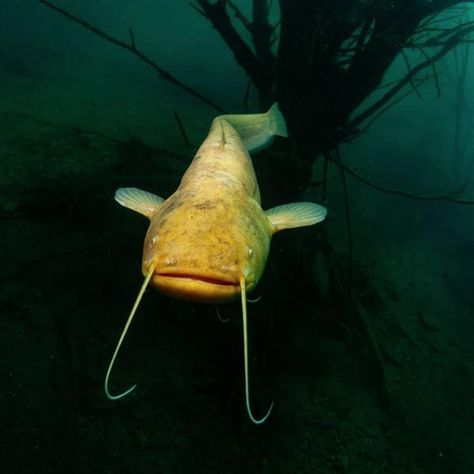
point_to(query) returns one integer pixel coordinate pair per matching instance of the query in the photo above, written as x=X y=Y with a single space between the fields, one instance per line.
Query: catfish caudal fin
x=143 y=202
x=246 y=358
x=122 y=337
x=297 y=214
x=257 y=130
x=276 y=121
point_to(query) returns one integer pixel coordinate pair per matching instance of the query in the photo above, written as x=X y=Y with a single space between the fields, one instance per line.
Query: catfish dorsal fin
x=257 y=130
x=143 y=202
x=122 y=337
x=223 y=140
x=246 y=357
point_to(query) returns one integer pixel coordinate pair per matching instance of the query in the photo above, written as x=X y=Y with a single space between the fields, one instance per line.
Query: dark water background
x=80 y=118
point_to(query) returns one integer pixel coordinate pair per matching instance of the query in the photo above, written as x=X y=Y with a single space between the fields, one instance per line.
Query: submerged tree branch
x=450 y=197
x=347 y=207
x=239 y=15
x=453 y=41
x=131 y=47
x=259 y=62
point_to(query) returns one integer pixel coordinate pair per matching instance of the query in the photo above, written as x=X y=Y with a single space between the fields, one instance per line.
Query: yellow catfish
x=210 y=239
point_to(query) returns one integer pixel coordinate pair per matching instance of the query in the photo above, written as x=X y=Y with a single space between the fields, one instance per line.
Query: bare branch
x=433 y=67
x=453 y=41
x=412 y=80
x=387 y=107
x=262 y=32
x=201 y=12
x=450 y=197
x=240 y=16
x=258 y=64
x=132 y=39
x=162 y=73
x=183 y=131
x=216 y=13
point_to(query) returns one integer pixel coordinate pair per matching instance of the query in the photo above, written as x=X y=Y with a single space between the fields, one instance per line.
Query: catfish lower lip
x=203 y=278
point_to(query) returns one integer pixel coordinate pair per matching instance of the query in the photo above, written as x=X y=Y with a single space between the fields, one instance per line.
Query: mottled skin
x=212 y=230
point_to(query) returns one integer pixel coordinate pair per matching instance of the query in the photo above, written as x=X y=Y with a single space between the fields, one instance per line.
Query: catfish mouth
x=198 y=278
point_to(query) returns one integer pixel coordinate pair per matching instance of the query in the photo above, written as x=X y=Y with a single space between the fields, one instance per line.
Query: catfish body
x=212 y=230
x=209 y=241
